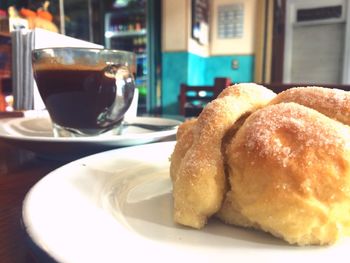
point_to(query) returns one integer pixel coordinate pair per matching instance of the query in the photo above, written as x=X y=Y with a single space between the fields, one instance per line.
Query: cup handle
x=121 y=79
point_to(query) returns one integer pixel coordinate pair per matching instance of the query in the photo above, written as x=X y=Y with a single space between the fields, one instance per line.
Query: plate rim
x=27 y=199
x=31 y=114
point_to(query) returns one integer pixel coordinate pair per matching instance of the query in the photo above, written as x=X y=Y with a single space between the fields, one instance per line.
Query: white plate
x=34 y=133
x=117 y=205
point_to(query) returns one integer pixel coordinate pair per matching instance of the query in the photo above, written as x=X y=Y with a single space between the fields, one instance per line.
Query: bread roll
x=280 y=164
x=334 y=103
x=197 y=163
x=289 y=173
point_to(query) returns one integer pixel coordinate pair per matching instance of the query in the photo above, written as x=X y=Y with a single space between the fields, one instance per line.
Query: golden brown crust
x=197 y=164
x=287 y=164
x=184 y=138
x=289 y=171
x=334 y=103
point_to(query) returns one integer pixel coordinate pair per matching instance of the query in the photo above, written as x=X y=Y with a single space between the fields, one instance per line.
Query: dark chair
x=194 y=98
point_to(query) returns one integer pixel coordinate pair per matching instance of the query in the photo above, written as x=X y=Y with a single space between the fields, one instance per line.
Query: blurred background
x=196 y=41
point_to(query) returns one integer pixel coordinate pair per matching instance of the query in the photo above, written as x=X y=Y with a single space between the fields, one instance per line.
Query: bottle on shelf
x=138 y=24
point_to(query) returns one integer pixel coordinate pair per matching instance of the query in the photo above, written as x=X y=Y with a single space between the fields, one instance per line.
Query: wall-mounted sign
x=230 y=21
x=200 y=21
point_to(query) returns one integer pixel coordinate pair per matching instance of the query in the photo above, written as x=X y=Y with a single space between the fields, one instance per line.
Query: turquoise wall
x=174 y=72
x=185 y=67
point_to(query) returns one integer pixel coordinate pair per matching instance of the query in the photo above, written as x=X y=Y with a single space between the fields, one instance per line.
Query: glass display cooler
x=130 y=26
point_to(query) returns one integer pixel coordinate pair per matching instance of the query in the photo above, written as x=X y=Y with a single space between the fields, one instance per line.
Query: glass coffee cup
x=86 y=91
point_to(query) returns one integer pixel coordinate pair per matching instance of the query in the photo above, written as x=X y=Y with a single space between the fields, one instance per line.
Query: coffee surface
x=83 y=98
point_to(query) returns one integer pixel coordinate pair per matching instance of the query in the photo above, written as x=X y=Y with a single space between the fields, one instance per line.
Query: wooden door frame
x=278 y=39
x=269 y=46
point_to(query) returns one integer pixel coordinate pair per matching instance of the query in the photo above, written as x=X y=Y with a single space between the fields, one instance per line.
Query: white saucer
x=34 y=132
x=117 y=206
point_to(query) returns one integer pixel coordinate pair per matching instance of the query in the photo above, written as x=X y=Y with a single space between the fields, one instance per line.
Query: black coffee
x=84 y=99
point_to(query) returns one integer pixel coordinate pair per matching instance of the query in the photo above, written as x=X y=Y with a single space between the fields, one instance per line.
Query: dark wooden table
x=19 y=171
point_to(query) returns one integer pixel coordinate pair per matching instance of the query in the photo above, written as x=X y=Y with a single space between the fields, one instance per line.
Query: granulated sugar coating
x=280 y=164
x=198 y=172
x=268 y=131
x=335 y=103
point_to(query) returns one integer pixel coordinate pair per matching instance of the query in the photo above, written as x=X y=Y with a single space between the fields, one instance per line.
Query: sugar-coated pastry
x=197 y=163
x=184 y=138
x=289 y=173
x=280 y=164
x=334 y=103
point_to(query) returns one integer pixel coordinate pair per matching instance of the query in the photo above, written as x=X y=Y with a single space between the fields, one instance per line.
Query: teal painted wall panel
x=174 y=72
x=196 y=70
x=220 y=66
x=184 y=67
